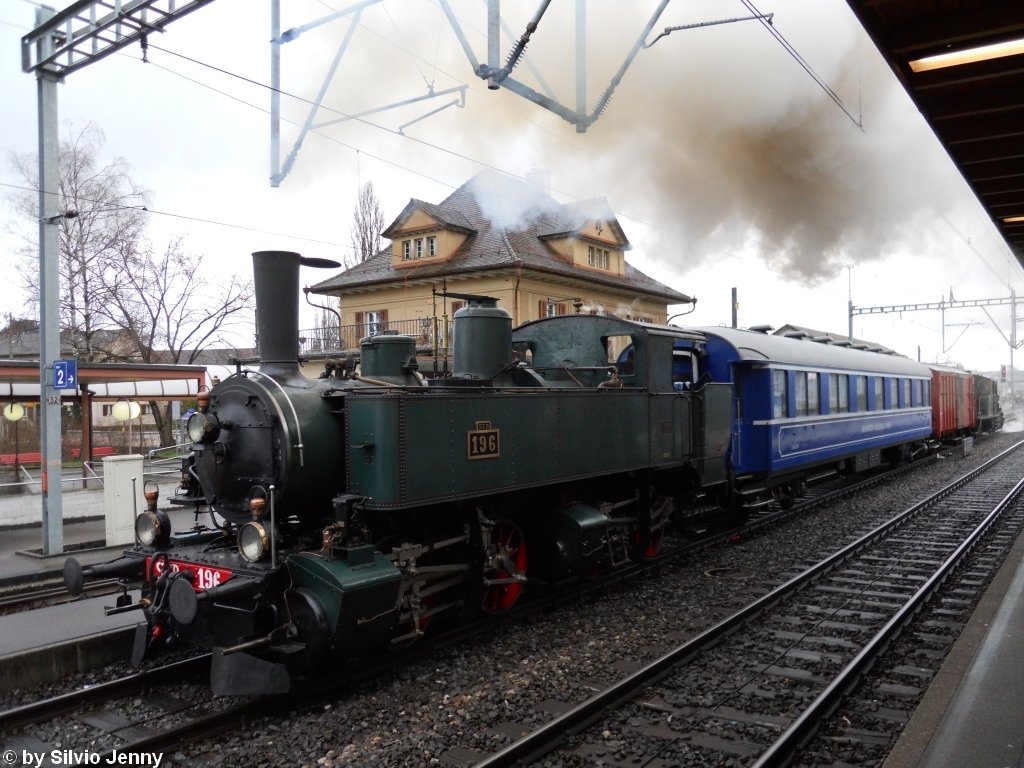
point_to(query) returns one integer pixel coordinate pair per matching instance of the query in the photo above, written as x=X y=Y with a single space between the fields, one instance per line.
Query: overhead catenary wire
x=795 y=54
x=354 y=118
x=186 y=217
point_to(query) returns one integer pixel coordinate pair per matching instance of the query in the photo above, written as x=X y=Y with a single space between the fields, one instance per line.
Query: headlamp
x=253 y=541
x=202 y=427
x=153 y=529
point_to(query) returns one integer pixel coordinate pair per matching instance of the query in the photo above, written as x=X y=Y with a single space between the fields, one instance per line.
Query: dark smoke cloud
x=715 y=138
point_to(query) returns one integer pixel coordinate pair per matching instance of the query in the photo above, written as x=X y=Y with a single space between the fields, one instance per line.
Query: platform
x=50 y=643
x=973 y=713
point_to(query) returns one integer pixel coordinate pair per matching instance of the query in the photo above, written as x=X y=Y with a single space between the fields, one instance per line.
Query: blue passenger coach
x=799 y=403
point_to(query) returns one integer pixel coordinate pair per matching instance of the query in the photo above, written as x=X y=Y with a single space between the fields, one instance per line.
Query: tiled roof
x=507 y=220
x=450 y=218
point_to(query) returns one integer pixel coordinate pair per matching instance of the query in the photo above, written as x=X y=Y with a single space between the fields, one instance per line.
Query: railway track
x=176 y=719
x=760 y=683
x=17 y=600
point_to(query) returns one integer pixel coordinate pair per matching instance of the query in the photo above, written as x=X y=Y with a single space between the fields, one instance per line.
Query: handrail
x=337 y=339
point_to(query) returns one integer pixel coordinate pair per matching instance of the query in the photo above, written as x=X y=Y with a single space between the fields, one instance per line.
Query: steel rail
x=67 y=702
x=22 y=598
x=784 y=748
x=548 y=736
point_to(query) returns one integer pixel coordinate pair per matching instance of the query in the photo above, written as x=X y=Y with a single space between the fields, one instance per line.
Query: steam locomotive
x=348 y=512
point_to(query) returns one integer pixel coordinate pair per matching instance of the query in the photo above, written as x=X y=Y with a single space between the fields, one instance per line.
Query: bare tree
x=367 y=224
x=121 y=300
x=104 y=218
x=167 y=312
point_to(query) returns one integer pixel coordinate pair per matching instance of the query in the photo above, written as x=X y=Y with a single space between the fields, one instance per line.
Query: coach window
x=905 y=384
x=838 y=393
x=813 y=394
x=879 y=388
x=779 y=394
x=862 y=393
x=800 y=383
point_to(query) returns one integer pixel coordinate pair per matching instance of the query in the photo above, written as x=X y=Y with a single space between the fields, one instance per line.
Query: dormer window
x=407 y=249
x=419 y=247
x=431 y=246
x=598 y=257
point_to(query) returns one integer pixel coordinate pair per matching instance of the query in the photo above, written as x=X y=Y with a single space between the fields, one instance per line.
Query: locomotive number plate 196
x=204 y=576
x=483 y=442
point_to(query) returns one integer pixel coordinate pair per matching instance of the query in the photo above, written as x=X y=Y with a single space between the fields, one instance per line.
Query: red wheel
x=653 y=545
x=504 y=567
x=662 y=507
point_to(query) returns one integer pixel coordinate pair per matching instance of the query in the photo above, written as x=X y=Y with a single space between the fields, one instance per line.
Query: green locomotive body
x=353 y=511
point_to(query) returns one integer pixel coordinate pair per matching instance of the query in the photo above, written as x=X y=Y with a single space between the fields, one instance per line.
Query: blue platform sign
x=65 y=374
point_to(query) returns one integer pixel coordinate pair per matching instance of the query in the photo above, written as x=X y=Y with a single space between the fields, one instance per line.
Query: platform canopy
x=962 y=63
x=19 y=380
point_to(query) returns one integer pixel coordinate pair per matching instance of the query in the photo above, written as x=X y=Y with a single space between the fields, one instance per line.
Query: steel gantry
x=942 y=306
x=62 y=43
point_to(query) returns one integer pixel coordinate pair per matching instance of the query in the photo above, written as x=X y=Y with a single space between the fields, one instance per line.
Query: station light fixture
x=125 y=410
x=969 y=55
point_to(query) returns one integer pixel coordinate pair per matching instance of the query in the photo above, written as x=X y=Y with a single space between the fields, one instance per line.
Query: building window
x=778 y=394
x=373 y=322
x=548 y=308
x=598 y=257
x=419 y=247
x=407 y=249
x=431 y=246
x=107 y=410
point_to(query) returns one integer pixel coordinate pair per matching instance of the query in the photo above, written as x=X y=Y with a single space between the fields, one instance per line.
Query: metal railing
x=335 y=339
x=92 y=475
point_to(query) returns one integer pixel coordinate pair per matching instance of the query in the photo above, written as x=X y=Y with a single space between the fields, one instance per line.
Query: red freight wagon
x=952 y=401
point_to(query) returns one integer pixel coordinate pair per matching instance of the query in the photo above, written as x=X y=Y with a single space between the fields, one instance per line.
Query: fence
x=326 y=340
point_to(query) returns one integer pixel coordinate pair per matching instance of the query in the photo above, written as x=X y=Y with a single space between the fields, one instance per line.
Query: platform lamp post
x=127 y=410
x=15 y=412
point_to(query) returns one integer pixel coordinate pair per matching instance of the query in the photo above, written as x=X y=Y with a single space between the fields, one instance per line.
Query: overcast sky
x=726 y=163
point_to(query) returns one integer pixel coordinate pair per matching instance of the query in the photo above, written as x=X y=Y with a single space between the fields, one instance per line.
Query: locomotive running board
x=239 y=674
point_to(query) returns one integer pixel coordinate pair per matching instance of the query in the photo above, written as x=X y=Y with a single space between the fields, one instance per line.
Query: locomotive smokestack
x=276 y=274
